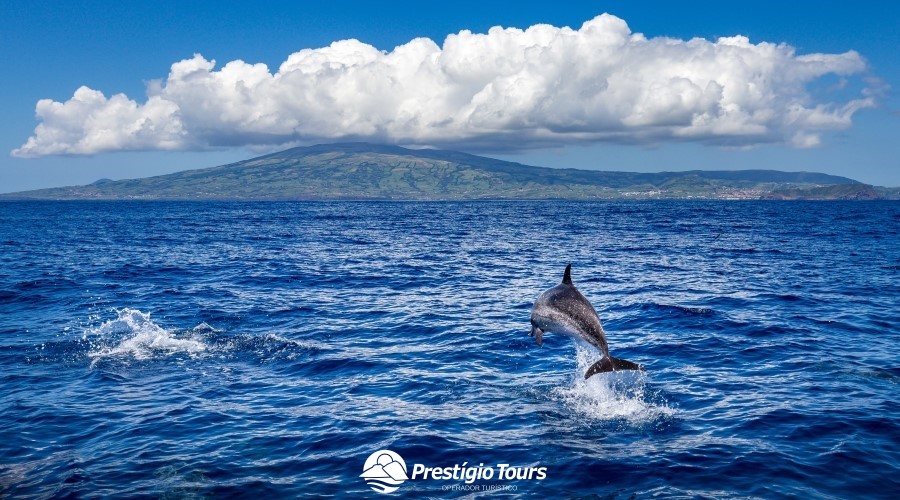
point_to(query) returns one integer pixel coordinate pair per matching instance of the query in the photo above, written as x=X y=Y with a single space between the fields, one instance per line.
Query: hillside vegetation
x=367 y=171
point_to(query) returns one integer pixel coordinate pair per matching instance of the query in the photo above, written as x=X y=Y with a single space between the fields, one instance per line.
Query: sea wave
x=215 y=349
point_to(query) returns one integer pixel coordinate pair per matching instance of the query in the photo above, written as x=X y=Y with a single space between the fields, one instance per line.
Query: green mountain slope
x=368 y=171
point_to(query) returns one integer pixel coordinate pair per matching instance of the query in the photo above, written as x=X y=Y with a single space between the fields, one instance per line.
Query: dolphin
x=563 y=309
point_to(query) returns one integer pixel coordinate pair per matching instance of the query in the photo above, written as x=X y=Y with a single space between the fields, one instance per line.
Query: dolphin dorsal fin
x=567 y=278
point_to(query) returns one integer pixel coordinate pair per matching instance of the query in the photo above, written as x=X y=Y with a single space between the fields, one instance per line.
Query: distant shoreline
x=436 y=200
x=368 y=172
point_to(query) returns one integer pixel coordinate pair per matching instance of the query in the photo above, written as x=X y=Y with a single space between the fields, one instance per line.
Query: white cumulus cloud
x=503 y=90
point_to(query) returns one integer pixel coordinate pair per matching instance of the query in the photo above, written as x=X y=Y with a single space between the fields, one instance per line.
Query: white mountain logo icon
x=384 y=471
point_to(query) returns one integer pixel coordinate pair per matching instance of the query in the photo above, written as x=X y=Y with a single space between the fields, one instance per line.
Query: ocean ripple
x=236 y=349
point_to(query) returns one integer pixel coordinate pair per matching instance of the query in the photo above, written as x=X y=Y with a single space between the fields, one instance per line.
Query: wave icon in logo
x=384 y=471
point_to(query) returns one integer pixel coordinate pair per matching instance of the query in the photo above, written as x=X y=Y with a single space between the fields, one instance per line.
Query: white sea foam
x=611 y=396
x=134 y=334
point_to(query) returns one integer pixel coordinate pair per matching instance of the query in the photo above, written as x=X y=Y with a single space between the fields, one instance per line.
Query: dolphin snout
x=538 y=334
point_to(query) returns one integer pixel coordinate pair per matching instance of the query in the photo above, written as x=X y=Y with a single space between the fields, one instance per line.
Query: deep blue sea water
x=156 y=349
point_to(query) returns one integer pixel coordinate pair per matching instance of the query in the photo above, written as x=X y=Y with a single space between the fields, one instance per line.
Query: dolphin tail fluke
x=611 y=364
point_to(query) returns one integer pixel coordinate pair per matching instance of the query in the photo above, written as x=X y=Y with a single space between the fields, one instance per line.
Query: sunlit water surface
x=266 y=349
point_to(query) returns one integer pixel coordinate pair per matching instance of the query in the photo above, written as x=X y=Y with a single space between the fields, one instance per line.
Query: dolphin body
x=563 y=309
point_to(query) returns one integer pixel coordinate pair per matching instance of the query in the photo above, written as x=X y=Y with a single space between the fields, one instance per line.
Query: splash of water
x=134 y=334
x=622 y=395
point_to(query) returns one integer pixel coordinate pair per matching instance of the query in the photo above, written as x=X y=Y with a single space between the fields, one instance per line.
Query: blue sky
x=51 y=49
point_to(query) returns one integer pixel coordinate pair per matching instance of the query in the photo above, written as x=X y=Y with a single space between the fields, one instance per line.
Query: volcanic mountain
x=369 y=171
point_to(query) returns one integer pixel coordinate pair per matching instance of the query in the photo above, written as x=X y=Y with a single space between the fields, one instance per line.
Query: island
x=363 y=171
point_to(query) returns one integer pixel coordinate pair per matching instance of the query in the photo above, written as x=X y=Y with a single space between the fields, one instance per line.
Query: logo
x=384 y=471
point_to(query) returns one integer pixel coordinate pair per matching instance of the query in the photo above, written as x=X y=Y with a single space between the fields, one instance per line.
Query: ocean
x=257 y=350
